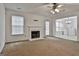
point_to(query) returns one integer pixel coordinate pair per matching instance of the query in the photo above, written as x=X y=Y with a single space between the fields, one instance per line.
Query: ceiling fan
x=55 y=7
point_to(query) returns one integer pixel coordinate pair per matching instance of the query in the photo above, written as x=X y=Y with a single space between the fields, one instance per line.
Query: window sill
x=16 y=34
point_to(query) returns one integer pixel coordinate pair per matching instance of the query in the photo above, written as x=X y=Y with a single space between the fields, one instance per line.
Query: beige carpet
x=42 y=48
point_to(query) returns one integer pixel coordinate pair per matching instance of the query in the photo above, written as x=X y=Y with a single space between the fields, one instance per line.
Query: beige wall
x=31 y=24
x=29 y=21
x=2 y=26
x=9 y=37
x=78 y=29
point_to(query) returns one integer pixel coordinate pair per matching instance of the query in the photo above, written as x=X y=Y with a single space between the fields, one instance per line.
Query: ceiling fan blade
x=60 y=6
x=61 y=9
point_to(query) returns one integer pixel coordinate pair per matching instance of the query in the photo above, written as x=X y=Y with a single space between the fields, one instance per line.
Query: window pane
x=67 y=28
x=17 y=20
x=17 y=25
x=47 y=27
x=17 y=29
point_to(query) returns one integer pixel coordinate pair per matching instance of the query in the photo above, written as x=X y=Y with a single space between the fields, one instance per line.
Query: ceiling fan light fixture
x=53 y=12
x=56 y=10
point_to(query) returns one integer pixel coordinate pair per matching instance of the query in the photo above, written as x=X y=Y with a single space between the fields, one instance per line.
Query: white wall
x=2 y=26
x=9 y=37
x=29 y=21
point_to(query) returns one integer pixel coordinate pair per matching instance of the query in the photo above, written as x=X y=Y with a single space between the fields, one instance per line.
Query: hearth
x=35 y=34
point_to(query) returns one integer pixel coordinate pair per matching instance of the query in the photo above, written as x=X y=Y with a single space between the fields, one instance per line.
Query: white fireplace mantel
x=35 y=28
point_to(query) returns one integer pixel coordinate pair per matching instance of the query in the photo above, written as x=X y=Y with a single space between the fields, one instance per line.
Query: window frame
x=11 y=25
x=45 y=27
x=65 y=19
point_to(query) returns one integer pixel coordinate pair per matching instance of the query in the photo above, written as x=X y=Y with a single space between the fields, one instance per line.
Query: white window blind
x=17 y=25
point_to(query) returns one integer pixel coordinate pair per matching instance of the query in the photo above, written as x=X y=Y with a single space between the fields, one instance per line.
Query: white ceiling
x=40 y=8
x=24 y=6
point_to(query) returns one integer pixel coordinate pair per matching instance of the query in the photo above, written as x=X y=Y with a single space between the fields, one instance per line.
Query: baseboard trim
x=16 y=41
x=2 y=51
x=64 y=39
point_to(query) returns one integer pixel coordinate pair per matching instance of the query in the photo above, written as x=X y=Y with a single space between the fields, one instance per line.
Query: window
x=67 y=28
x=17 y=25
x=47 y=27
x=59 y=26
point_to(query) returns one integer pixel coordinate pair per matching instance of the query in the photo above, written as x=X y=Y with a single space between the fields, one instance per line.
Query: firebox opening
x=35 y=34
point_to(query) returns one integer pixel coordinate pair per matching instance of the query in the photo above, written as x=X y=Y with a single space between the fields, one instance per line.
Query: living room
x=32 y=29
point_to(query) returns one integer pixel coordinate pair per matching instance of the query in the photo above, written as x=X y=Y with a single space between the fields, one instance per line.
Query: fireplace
x=35 y=34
